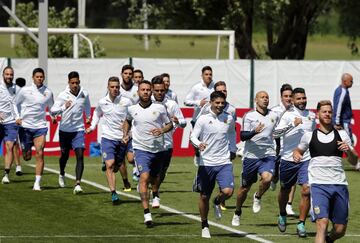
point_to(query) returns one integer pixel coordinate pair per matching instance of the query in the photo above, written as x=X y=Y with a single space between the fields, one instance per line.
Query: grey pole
x=43 y=35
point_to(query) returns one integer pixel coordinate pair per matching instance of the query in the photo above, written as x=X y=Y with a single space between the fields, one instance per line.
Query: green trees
x=59 y=45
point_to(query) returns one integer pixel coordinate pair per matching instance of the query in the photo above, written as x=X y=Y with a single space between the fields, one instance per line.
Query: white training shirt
x=291 y=135
x=171 y=95
x=113 y=115
x=279 y=109
x=262 y=144
x=172 y=109
x=130 y=94
x=218 y=133
x=143 y=121
x=72 y=119
x=8 y=108
x=197 y=93
x=32 y=103
x=325 y=169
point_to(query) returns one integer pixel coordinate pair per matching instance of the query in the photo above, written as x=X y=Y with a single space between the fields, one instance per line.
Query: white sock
x=18 y=168
x=37 y=179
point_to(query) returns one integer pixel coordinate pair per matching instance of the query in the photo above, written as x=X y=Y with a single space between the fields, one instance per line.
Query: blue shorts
x=208 y=175
x=329 y=201
x=147 y=162
x=253 y=167
x=129 y=147
x=72 y=140
x=292 y=173
x=112 y=149
x=27 y=136
x=9 y=132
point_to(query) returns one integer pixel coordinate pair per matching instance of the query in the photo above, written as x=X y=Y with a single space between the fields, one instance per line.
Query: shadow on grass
x=159 y=224
x=179 y=172
x=21 y=181
x=160 y=215
x=230 y=235
x=176 y=191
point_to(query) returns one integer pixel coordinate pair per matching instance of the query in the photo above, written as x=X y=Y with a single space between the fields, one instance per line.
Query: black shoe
x=18 y=173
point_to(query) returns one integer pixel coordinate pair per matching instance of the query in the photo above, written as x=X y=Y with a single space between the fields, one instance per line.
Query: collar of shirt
x=42 y=88
x=211 y=85
x=67 y=89
x=117 y=98
x=301 y=112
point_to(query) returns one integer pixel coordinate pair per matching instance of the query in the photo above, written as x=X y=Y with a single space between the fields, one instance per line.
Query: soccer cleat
x=36 y=187
x=61 y=181
x=156 y=202
x=223 y=206
x=272 y=186
x=127 y=189
x=300 y=229
x=5 y=179
x=148 y=220
x=282 y=223
x=205 y=233
x=235 y=220
x=256 y=204
x=289 y=210
x=217 y=211
x=115 y=198
x=18 y=171
x=196 y=161
x=78 y=189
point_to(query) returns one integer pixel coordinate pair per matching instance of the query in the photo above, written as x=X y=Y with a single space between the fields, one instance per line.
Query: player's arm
x=190 y=99
x=302 y=147
x=178 y=119
x=338 y=103
x=59 y=106
x=195 y=134
x=232 y=140
x=19 y=98
x=285 y=125
x=247 y=132
x=96 y=118
x=87 y=109
x=347 y=148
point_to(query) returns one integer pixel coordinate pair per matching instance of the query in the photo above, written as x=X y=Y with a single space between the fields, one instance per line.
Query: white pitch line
x=171 y=210
x=94 y=236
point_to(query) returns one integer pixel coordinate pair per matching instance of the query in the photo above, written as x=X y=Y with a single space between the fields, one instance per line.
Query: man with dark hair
x=175 y=115
x=33 y=101
x=138 y=76
x=285 y=104
x=170 y=94
x=8 y=115
x=342 y=114
x=71 y=105
x=112 y=109
x=147 y=120
x=199 y=95
x=329 y=192
x=259 y=153
x=215 y=137
x=130 y=91
x=293 y=124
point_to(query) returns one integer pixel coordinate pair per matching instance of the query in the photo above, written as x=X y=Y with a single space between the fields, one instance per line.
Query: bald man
x=342 y=114
x=259 y=153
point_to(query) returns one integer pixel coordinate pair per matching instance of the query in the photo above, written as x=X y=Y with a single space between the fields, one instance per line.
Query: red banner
x=182 y=146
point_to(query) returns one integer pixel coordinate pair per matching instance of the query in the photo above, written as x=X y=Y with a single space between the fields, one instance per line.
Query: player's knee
x=305 y=191
x=9 y=146
x=204 y=197
x=228 y=192
x=339 y=230
x=27 y=155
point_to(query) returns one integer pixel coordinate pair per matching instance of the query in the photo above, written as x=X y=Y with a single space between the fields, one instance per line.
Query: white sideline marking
x=94 y=236
x=171 y=210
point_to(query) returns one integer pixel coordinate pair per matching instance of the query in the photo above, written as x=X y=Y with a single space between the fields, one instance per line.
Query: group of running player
x=138 y=118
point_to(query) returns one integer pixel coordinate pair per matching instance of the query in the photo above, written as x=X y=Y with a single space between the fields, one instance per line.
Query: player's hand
x=260 y=127
x=338 y=127
x=343 y=146
x=297 y=121
x=157 y=132
x=18 y=121
x=88 y=121
x=88 y=130
x=125 y=139
x=53 y=120
x=2 y=116
x=203 y=102
x=175 y=120
x=202 y=146
x=297 y=156
x=232 y=155
x=68 y=104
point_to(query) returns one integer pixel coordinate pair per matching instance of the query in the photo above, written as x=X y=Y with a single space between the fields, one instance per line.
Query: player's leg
x=321 y=230
x=78 y=145
x=65 y=146
x=156 y=168
x=225 y=180
x=289 y=209
x=26 y=142
x=39 y=143
x=304 y=204
x=16 y=156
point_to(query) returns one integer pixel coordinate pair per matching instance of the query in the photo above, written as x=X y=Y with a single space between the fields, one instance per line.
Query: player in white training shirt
x=176 y=116
x=147 y=121
x=71 y=105
x=259 y=153
x=32 y=102
x=328 y=184
x=170 y=94
x=8 y=115
x=214 y=135
x=293 y=124
x=112 y=109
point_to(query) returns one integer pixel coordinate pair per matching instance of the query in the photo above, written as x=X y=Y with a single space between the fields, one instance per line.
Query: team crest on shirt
x=154 y=113
x=82 y=95
x=225 y=121
x=104 y=155
x=317 y=210
x=272 y=120
x=140 y=168
x=210 y=122
x=309 y=118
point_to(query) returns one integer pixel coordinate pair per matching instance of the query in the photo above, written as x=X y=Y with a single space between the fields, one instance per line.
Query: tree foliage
x=59 y=45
